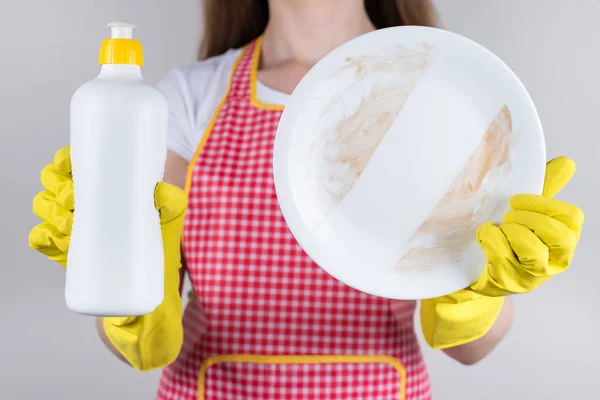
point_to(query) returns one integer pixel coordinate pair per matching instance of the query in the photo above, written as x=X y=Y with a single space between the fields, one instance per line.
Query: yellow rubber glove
x=536 y=242
x=148 y=341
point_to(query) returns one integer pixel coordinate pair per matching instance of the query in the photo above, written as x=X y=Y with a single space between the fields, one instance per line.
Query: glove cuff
x=459 y=318
x=152 y=340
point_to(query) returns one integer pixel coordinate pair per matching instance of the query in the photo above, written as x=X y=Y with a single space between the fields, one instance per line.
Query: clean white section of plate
x=394 y=149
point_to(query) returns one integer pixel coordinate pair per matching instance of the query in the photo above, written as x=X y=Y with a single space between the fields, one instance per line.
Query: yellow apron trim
x=253 y=79
x=211 y=124
x=209 y=128
x=332 y=359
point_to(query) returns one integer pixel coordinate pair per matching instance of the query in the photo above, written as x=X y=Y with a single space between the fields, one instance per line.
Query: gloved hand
x=536 y=242
x=148 y=341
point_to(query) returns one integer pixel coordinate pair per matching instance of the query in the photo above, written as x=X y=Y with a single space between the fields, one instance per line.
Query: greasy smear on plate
x=342 y=150
x=452 y=224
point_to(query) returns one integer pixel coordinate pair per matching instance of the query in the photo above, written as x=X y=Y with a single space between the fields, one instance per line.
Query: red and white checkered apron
x=267 y=322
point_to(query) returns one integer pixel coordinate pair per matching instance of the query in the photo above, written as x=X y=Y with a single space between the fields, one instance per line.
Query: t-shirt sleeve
x=180 y=138
x=193 y=94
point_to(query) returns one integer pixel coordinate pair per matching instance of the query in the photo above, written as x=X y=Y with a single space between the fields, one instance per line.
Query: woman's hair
x=232 y=24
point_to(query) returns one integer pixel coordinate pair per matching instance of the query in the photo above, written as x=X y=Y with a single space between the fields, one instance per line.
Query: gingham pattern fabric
x=258 y=293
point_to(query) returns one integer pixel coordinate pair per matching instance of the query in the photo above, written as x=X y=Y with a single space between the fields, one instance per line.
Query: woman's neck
x=303 y=31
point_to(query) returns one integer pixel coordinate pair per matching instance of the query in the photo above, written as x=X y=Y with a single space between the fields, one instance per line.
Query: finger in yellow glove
x=54 y=206
x=149 y=341
x=536 y=242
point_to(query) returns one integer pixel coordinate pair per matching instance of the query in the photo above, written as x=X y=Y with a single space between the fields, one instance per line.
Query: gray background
x=49 y=48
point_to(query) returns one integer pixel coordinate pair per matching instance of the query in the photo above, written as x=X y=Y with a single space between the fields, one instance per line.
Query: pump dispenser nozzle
x=121 y=29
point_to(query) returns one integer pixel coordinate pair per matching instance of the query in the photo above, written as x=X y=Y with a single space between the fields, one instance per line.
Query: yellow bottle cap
x=121 y=48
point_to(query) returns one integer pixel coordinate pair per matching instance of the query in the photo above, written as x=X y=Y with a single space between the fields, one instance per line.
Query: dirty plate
x=394 y=149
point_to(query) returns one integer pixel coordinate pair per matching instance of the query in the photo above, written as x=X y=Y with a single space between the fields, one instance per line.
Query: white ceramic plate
x=394 y=149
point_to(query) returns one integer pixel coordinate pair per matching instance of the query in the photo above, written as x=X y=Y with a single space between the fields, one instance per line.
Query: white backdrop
x=47 y=49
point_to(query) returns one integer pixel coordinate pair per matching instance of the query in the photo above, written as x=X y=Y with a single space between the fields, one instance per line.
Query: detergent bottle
x=115 y=263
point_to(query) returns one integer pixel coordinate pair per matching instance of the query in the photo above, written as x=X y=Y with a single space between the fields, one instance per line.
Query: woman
x=264 y=322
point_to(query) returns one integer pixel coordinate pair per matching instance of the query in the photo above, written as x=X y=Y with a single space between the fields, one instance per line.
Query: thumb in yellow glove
x=149 y=341
x=536 y=242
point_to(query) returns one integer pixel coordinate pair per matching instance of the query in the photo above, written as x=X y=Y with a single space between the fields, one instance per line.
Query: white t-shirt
x=193 y=94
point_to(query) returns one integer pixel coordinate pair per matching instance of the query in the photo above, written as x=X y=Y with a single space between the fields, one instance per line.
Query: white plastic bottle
x=115 y=264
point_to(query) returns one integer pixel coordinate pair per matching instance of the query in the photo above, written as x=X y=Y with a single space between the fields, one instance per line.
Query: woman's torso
x=265 y=321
